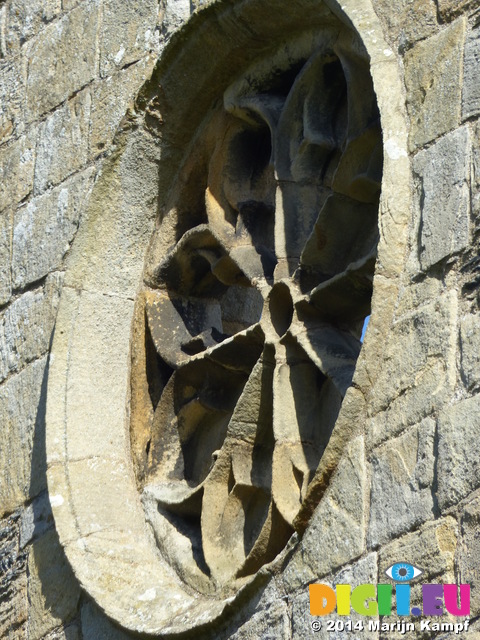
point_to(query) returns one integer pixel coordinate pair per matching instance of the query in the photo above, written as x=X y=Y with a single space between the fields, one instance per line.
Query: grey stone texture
x=13 y=581
x=363 y=571
x=336 y=533
x=128 y=33
x=421 y=354
x=469 y=350
x=24 y=20
x=471 y=75
x=402 y=479
x=45 y=227
x=17 y=161
x=468 y=552
x=443 y=173
x=409 y=20
x=53 y=592
x=434 y=95
x=63 y=56
x=110 y=100
x=6 y=225
x=63 y=140
x=12 y=96
x=458 y=451
x=22 y=438
x=26 y=326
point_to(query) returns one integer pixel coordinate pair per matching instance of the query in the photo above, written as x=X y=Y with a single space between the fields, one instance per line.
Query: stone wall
x=69 y=71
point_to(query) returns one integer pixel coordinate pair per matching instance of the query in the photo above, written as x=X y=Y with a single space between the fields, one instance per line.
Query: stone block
x=444 y=197
x=471 y=75
x=63 y=142
x=63 y=57
x=26 y=326
x=469 y=552
x=469 y=350
x=415 y=342
x=432 y=70
x=53 y=592
x=45 y=227
x=428 y=393
x=17 y=161
x=362 y=572
x=12 y=94
x=431 y=549
x=458 y=451
x=22 y=437
x=13 y=581
x=408 y=21
x=335 y=535
x=475 y=187
x=402 y=479
x=6 y=225
x=128 y=33
x=25 y=19
x=111 y=98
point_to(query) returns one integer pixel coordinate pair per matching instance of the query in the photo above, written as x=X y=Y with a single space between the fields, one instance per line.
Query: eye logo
x=403 y=572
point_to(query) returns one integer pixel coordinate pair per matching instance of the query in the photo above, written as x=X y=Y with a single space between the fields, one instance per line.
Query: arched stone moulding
x=92 y=487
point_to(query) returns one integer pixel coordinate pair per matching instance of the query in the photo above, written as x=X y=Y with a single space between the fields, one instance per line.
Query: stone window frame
x=92 y=488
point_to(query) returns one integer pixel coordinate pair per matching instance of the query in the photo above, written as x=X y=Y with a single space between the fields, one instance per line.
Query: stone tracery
x=256 y=286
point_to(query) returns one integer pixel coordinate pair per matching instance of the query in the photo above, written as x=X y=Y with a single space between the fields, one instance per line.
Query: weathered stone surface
x=69 y=632
x=128 y=33
x=12 y=94
x=36 y=519
x=336 y=535
x=13 y=581
x=22 y=450
x=415 y=342
x=402 y=477
x=175 y=14
x=475 y=187
x=458 y=451
x=63 y=142
x=53 y=592
x=431 y=549
x=26 y=326
x=469 y=350
x=471 y=75
x=469 y=552
x=110 y=100
x=443 y=172
x=432 y=69
x=452 y=8
x=25 y=19
x=45 y=227
x=17 y=161
x=60 y=58
x=96 y=626
x=427 y=394
x=6 y=225
x=364 y=571
x=272 y=624
x=408 y=20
